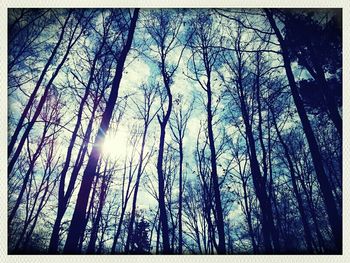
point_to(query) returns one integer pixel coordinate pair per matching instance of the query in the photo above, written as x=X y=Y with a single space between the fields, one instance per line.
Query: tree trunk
x=162 y=208
x=180 y=197
x=137 y=183
x=214 y=174
x=116 y=236
x=96 y=223
x=161 y=188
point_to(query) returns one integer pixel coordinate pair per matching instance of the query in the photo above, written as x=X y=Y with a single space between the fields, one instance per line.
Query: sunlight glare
x=115 y=145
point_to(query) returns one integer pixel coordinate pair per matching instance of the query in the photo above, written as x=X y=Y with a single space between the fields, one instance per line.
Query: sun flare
x=115 y=145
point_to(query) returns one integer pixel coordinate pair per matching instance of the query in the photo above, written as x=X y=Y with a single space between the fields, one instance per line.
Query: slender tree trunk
x=119 y=228
x=161 y=188
x=137 y=183
x=180 y=197
x=214 y=173
x=96 y=223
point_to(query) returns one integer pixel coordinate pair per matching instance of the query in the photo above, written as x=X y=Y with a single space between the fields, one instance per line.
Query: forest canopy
x=174 y=131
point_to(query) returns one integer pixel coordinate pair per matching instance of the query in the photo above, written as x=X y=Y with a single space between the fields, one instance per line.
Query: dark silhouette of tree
x=178 y=125
x=204 y=58
x=331 y=208
x=163 y=28
x=139 y=240
x=306 y=37
x=75 y=229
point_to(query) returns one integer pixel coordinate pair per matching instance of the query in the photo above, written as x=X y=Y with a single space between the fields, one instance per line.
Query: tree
x=139 y=240
x=178 y=129
x=305 y=38
x=75 y=229
x=166 y=39
x=203 y=44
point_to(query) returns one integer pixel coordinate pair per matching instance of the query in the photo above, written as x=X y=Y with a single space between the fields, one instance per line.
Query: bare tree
x=204 y=58
x=163 y=28
x=178 y=125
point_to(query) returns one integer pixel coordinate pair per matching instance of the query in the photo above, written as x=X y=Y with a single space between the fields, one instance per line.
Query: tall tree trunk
x=96 y=223
x=214 y=173
x=161 y=189
x=137 y=183
x=75 y=229
x=180 y=196
x=334 y=217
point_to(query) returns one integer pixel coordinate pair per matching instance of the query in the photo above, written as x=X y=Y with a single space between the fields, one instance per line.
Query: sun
x=115 y=145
